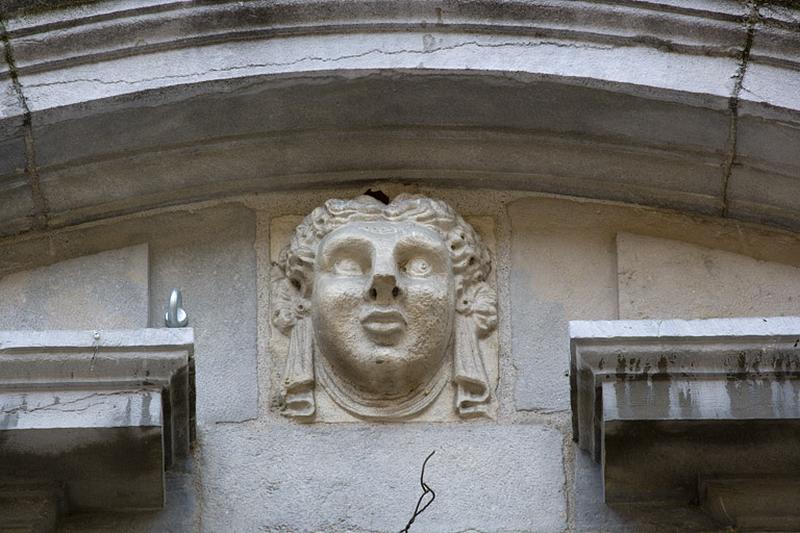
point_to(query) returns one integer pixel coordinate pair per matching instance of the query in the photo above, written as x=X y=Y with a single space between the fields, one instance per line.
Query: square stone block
x=367 y=478
x=108 y=290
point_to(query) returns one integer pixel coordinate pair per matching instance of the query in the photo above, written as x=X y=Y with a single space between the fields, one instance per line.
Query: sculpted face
x=383 y=305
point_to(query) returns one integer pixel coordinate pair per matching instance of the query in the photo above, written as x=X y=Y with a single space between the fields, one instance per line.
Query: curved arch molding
x=118 y=106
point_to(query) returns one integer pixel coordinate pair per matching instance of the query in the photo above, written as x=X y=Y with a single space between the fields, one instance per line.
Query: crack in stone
x=53 y=406
x=759 y=96
x=733 y=102
x=76 y=410
x=321 y=59
x=40 y=209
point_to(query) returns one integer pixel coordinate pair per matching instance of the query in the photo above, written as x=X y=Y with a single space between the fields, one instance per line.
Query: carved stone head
x=384 y=305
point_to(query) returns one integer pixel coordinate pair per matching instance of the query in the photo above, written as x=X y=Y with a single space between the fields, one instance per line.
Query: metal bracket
x=176 y=316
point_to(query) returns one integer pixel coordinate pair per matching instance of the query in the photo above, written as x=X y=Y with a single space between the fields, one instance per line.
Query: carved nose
x=383 y=289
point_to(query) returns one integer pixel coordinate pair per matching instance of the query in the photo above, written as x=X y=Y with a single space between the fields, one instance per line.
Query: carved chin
x=382 y=365
x=384 y=383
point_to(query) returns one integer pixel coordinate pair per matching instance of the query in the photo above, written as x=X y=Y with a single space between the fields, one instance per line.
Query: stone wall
x=557 y=259
x=147 y=145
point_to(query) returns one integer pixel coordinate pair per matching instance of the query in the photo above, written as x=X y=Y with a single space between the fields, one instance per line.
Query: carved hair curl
x=470 y=258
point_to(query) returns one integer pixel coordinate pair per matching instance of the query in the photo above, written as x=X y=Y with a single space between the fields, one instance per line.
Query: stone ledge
x=661 y=404
x=99 y=414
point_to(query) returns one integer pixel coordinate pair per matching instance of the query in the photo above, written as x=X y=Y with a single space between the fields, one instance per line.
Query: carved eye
x=347 y=267
x=417 y=267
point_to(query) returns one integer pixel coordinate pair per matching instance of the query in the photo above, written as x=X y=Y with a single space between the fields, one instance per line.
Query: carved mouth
x=383 y=322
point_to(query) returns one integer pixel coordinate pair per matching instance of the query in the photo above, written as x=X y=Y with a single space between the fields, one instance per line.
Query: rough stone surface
x=99 y=413
x=472 y=365
x=108 y=290
x=564 y=267
x=660 y=278
x=16 y=203
x=207 y=252
x=356 y=478
x=180 y=514
x=640 y=90
x=659 y=435
x=209 y=255
x=592 y=514
x=555 y=276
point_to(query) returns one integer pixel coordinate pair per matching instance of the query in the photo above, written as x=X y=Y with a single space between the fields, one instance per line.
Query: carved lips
x=383 y=325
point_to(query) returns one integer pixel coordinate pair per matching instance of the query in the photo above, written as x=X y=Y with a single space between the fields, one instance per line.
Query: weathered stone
x=180 y=515
x=761 y=186
x=16 y=202
x=108 y=290
x=753 y=503
x=357 y=478
x=518 y=106
x=556 y=276
x=564 y=267
x=384 y=306
x=660 y=278
x=98 y=413
x=209 y=255
x=592 y=514
x=30 y=507
x=664 y=403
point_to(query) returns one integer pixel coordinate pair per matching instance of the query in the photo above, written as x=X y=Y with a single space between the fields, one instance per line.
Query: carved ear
x=298 y=379
x=472 y=395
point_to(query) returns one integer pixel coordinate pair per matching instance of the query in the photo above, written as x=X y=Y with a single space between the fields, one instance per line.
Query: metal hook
x=176 y=316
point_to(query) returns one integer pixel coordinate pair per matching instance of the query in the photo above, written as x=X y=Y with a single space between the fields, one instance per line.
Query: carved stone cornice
x=91 y=419
x=683 y=411
x=648 y=93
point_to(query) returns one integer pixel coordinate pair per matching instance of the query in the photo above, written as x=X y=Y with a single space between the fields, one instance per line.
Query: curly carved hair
x=470 y=258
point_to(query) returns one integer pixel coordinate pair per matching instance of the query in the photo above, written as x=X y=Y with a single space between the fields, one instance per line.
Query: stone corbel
x=89 y=420
x=699 y=412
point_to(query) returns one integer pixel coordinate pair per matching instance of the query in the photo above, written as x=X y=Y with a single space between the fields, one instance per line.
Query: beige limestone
x=564 y=267
x=663 y=278
x=440 y=406
x=107 y=290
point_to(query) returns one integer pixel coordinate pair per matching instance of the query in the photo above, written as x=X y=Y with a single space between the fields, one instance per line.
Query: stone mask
x=384 y=305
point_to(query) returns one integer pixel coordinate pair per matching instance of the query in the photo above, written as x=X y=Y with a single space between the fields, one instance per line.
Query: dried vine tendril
x=419 y=509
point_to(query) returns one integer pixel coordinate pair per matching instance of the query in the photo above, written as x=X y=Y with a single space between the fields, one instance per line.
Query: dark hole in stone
x=378 y=195
x=396 y=292
x=296 y=284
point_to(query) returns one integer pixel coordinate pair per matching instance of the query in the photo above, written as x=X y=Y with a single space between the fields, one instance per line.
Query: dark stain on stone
x=378 y=195
x=128 y=412
x=146 y=420
x=779 y=365
x=9 y=420
x=685 y=402
x=621 y=364
x=741 y=362
x=601 y=364
x=663 y=365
